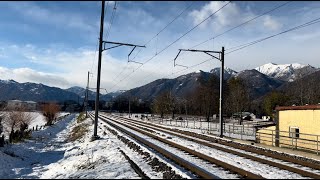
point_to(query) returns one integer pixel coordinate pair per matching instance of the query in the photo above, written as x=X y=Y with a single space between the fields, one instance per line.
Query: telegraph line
x=174 y=42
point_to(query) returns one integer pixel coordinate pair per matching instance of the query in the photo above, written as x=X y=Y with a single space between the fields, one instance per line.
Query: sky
x=55 y=42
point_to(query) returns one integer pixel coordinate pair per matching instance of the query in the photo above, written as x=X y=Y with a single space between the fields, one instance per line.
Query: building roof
x=14 y=101
x=306 y=107
x=31 y=102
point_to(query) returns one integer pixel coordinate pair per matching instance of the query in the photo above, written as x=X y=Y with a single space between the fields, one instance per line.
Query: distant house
x=14 y=104
x=243 y=115
x=28 y=105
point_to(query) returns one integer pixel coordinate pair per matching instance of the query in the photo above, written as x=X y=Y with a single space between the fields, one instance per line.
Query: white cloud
x=30 y=75
x=231 y=15
x=226 y=16
x=271 y=23
x=137 y=26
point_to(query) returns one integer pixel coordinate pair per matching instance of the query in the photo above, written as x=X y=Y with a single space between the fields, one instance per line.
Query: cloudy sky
x=55 y=43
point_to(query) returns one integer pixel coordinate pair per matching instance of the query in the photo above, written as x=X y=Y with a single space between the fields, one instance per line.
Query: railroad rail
x=199 y=171
x=255 y=158
x=135 y=167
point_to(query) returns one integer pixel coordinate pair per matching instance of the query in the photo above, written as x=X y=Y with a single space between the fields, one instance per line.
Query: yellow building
x=296 y=127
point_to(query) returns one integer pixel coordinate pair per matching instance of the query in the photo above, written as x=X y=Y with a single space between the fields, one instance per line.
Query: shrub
x=50 y=112
x=81 y=117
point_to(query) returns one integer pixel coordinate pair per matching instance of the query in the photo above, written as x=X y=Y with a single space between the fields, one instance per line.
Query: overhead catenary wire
x=239 y=47
x=244 y=23
x=94 y=57
x=239 y=25
x=128 y=75
x=174 y=19
x=112 y=19
x=317 y=20
x=260 y=40
x=156 y=35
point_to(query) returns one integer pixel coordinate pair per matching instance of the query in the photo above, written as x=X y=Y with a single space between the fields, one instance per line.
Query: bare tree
x=237 y=99
x=164 y=103
x=205 y=99
x=17 y=119
x=50 y=112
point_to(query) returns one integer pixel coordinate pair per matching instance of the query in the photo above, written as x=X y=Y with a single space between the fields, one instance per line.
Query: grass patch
x=81 y=117
x=77 y=132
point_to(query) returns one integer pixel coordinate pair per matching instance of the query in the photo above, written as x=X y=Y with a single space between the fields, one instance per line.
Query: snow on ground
x=39 y=119
x=48 y=155
x=244 y=163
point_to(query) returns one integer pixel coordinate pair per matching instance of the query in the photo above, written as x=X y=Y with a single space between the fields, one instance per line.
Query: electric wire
x=173 y=43
x=239 y=47
x=165 y=27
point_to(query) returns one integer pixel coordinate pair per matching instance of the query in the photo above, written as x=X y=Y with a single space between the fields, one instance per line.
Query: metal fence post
x=194 y=123
x=272 y=138
x=233 y=128
x=292 y=139
x=243 y=129
x=317 y=145
x=241 y=132
x=187 y=122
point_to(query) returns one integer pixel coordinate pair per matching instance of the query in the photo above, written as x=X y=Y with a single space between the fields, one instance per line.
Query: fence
x=233 y=130
x=293 y=140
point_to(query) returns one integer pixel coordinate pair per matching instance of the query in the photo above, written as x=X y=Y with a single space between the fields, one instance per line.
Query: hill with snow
x=286 y=72
x=11 y=89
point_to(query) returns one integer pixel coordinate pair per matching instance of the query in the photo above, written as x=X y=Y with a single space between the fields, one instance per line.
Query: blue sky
x=55 y=43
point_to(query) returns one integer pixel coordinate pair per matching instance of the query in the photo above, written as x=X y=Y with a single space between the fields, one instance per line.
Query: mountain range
x=260 y=80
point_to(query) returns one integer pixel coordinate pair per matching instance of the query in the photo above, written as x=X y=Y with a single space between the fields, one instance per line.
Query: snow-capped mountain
x=11 y=89
x=228 y=73
x=81 y=92
x=286 y=72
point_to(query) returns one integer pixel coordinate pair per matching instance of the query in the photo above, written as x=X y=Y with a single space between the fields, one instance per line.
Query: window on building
x=294 y=132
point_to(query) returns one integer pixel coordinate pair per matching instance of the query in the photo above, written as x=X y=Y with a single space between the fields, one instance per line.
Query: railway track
x=136 y=168
x=204 y=141
x=199 y=164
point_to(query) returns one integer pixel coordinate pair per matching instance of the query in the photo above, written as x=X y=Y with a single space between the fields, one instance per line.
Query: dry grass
x=78 y=132
x=81 y=117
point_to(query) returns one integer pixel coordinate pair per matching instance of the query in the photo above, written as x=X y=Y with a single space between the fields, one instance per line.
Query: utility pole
x=221 y=59
x=102 y=47
x=95 y=136
x=87 y=95
x=221 y=93
x=129 y=104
